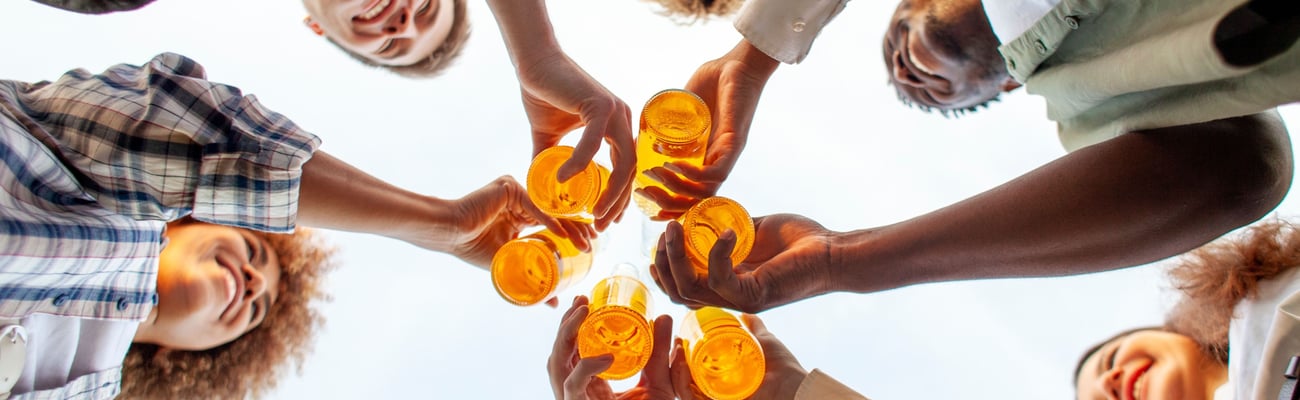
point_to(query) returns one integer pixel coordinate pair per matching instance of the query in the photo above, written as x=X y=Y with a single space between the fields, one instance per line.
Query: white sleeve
x=785 y=29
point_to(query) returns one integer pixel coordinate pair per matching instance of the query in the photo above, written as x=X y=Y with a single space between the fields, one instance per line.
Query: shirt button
x=1042 y=48
x=798 y=26
x=1072 y=22
x=122 y=304
x=1011 y=63
x=60 y=300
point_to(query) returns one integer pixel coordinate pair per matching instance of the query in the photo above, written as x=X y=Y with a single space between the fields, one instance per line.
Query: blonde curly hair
x=252 y=364
x=690 y=11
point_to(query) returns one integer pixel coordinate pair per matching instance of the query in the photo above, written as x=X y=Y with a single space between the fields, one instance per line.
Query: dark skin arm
x=1131 y=200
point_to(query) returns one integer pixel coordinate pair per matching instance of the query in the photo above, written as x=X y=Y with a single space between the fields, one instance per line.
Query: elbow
x=1255 y=169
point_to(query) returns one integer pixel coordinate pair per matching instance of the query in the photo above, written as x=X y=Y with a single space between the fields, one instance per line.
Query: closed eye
x=1110 y=361
x=424 y=7
x=388 y=44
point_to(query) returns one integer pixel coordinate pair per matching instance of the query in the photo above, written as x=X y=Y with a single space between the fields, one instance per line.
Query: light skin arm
x=336 y=195
x=560 y=97
x=731 y=85
x=1134 y=199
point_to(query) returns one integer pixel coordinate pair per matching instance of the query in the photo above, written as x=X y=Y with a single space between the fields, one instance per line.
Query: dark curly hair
x=252 y=364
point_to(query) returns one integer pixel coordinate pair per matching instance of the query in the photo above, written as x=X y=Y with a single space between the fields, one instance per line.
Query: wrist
x=863 y=261
x=760 y=63
x=432 y=224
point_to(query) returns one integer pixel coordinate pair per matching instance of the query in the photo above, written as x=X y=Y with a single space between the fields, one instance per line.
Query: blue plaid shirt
x=94 y=166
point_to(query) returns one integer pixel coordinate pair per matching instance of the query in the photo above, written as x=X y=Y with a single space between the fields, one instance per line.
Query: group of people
x=153 y=242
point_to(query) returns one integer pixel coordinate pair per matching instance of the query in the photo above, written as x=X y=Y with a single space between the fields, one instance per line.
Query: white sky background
x=829 y=141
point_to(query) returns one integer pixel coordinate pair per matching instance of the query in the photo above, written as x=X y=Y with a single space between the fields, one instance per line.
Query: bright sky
x=830 y=142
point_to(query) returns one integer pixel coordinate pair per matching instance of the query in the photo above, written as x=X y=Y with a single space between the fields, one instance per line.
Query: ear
x=1010 y=84
x=315 y=27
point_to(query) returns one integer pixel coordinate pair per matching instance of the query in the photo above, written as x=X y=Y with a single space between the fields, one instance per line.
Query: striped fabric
x=93 y=166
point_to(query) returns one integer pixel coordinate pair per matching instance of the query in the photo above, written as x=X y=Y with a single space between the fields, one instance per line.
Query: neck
x=1216 y=375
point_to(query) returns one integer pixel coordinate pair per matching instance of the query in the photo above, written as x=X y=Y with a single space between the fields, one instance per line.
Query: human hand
x=560 y=97
x=495 y=214
x=790 y=261
x=782 y=377
x=730 y=86
x=574 y=378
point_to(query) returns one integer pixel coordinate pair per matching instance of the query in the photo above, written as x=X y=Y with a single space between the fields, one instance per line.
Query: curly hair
x=689 y=11
x=1217 y=276
x=435 y=63
x=252 y=364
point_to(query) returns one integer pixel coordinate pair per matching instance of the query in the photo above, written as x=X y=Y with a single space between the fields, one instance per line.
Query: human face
x=388 y=32
x=943 y=54
x=215 y=283
x=1147 y=365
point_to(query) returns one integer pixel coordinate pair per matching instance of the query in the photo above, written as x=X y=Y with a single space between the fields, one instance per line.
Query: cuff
x=785 y=29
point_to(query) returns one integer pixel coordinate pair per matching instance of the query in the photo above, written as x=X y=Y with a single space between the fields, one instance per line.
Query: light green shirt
x=1108 y=67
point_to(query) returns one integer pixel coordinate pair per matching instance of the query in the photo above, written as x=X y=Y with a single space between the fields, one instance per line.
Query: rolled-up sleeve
x=160 y=141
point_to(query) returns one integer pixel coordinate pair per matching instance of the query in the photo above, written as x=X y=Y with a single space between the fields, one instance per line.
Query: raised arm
x=560 y=97
x=1130 y=200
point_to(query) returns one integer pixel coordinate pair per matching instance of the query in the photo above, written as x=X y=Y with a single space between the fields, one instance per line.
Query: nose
x=1112 y=384
x=902 y=75
x=399 y=24
x=254 y=283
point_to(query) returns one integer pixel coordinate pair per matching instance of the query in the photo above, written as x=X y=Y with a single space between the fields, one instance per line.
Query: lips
x=1136 y=383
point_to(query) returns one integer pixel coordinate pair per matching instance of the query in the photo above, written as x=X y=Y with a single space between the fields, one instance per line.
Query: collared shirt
x=93 y=166
x=1110 y=67
x=1010 y=18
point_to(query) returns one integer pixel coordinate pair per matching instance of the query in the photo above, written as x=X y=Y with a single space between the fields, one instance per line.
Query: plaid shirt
x=93 y=166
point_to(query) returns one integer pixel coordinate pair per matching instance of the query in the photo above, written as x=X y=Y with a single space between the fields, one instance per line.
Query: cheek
x=1168 y=382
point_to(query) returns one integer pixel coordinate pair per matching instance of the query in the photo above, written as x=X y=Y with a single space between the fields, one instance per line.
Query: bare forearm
x=526 y=28
x=1132 y=200
x=336 y=195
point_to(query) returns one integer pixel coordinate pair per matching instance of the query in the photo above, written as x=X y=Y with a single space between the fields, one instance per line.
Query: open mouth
x=1137 y=383
x=374 y=10
x=234 y=286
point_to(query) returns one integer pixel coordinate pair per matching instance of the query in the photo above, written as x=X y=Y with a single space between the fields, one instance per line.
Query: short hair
x=690 y=11
x=95 y=6
x=250 y=365
x=435 y=63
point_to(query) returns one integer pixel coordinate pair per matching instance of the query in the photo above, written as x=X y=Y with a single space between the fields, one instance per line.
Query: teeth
x=374 y=11
x=1139 y=386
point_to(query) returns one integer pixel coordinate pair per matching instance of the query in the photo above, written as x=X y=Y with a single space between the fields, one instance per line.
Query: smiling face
x=1149 y=365
x=215 y=283
x=943 y=54
x=386 y=32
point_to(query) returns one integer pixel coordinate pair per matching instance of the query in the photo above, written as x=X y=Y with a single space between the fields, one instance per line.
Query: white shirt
x=60 y=349
x=1264 y=333
x=785 y=29
x=1011 y=18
